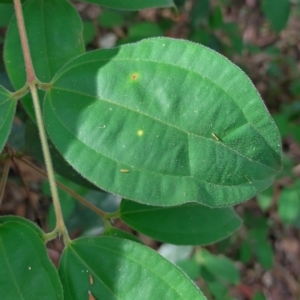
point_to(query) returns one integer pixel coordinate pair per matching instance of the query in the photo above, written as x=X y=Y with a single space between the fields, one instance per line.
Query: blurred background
x=262 y=259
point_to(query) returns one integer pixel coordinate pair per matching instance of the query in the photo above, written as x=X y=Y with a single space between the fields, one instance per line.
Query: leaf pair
x=105 y=267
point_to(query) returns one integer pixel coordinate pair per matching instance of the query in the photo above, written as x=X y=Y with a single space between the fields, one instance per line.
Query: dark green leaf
x=264 y=253
x=26 y=271
x=277 y=13
x=5 y=219
x=54 y=31
x=177 y=123
x=115 y=232
x=188 y=224
x=133 y=4
x=89 y=32
x=110 y=19
x=67 y=202
x=6 y=13
x=121 y=269
x=7 y=111
x=34 y=148
x=200 y=12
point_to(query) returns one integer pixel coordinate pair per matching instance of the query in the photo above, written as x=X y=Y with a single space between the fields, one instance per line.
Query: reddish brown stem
x=24 y=42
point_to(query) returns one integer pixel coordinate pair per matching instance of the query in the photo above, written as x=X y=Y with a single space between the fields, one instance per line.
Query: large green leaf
x=54 y=31
x=188 y=224
x=26 y=271
x=277 y=12
x=7 y=111
x=114 y=268
x=133 y=4
x=163 y=122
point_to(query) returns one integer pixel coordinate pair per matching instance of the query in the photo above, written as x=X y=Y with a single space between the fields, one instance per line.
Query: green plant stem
x=60 y=225
x=69 y=191
x=31 y=81
x=24 y=42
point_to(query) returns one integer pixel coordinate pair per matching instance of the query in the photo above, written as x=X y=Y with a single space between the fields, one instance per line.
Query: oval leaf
x=54 y=31
x=113 y=268
x=163 y=122
x=188 y=224
x=26 y=271
x=133 y=4
x=7 y=111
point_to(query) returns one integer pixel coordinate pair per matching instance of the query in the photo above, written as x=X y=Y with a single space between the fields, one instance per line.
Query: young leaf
x=54 y=31
x=277 y=13
x=176 y=123
x=7 y=111
x=114 y=268
x=25 y=266
x=188 y=224
x=133 y=4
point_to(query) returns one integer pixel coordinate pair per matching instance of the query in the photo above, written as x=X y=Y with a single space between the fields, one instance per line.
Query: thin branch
x=13 y=158
x=4 y=178
x=24 y=42
x=48 y=162
x=66 y=189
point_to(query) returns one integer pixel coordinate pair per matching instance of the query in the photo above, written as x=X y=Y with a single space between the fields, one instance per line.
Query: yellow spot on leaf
x=135 y=76
x=140 y=132
x=124 y=171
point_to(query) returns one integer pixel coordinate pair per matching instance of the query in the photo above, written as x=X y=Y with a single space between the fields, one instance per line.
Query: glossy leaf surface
x=114 y=268
x=54 y=31
x=26 y=271
x=7 y=111
x=175 y=123
x=133 y=4
x=188 y=224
